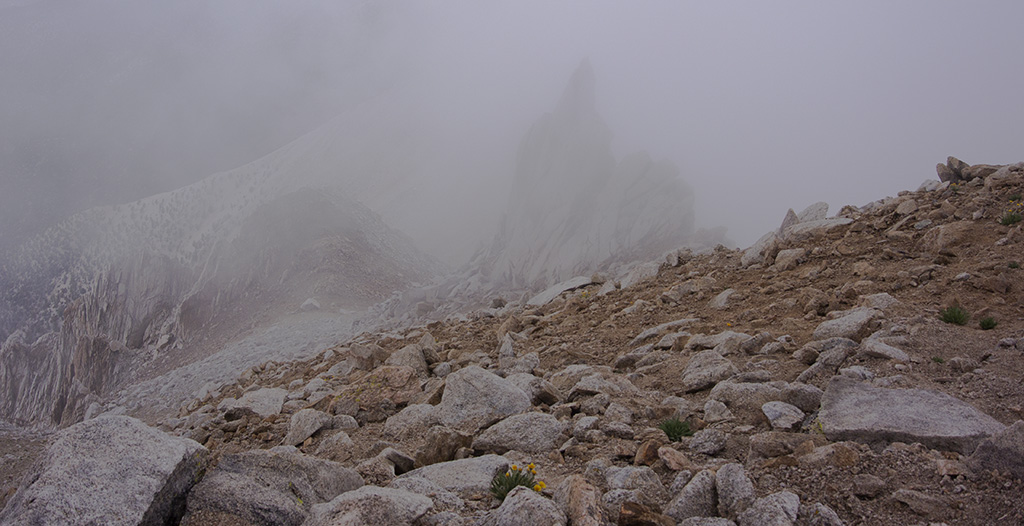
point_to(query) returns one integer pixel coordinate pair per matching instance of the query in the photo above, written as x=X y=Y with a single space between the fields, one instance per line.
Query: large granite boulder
x=474 y=398
x=263 y=487
x=110 y=470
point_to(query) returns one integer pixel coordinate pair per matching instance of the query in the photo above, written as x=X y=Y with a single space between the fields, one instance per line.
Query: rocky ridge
x=813 y=367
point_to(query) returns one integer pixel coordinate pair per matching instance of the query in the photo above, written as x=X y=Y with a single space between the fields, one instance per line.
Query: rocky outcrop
x=109 y=470
x=575 y=209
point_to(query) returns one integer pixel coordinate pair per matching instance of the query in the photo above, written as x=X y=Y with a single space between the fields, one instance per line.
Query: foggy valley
x=221 y=220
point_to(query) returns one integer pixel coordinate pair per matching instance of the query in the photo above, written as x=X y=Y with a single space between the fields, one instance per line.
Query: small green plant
x=1010 y=217
x=1014 y=264
x=938 y=359
x=675 y=429
x=988 y=323
x=1015 y=197
x=954 y=314
x=503 y=483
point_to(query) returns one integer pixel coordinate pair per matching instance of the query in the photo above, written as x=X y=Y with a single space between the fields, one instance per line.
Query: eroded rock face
x=114 y=286
x=587 y=209
x=109 y=470
x=855 y=410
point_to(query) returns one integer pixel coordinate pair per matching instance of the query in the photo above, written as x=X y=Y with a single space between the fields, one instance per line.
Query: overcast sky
x=763 y=105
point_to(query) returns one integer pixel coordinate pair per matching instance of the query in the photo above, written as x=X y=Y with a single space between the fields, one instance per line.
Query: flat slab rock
x=856 y=410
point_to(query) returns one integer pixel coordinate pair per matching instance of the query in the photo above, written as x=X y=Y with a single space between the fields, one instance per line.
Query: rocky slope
x=814 y=368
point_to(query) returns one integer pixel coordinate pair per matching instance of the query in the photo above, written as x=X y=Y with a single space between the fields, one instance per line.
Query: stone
x=552 y=292
x=675 y=460
x=441 y=445
x=810 y=229
x=464 y=477
x=788 y=221
x=338 y=447
x=867 y=485
x=853 y=324
x=805 y=397
x=443 y=499
x=708 y=441
x=855 y=410
x=876 y=348
x=704 y=370
x=656 y=330
x=264 y=402
x=409 y=356
x=410 y=422
x=304 y=424
x=1003 y=451
x=640 y=478
x=820 y=515
x=763 y=248
x=525 y=507
x=527 y=432
x=945 y=174
x=697 y=499
x=715 y=411
x=595 y=384
x=636 y=514
x=783 y=416
x=582 y=502
x=789 y=259
x=267 y=487
x=777 y=443
x=907 y=207
x=706 y=521
x=777 y=509
x=734 y=489
x=721 y=301
x=474 y=398
x=639 y=273
x=814 y=212
x=922 y=503
x=371 y=505
x=745 y=399
x=388 y=384
x=108 y=470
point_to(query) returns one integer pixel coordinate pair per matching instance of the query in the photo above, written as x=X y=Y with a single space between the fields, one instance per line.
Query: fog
x=763 y=106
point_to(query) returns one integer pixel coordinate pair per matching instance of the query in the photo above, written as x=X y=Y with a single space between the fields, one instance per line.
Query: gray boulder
x=853 y=324
x=788 y=259
x=525 y=507
x=464 y=477
x=1003 y=451
x=304 y=424
x=777 y=509
x=474 y=398
x=855 y=410
x=265 y=487
x=264 y=402
x=706 y=369
x=371 y=505
x=698 y=498
x=735 y=491
x=528 y=432
x=782 y=416
x=641 y=478
x=109 y=470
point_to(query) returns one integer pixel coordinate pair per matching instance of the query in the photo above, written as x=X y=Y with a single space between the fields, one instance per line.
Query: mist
x=763 y=107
